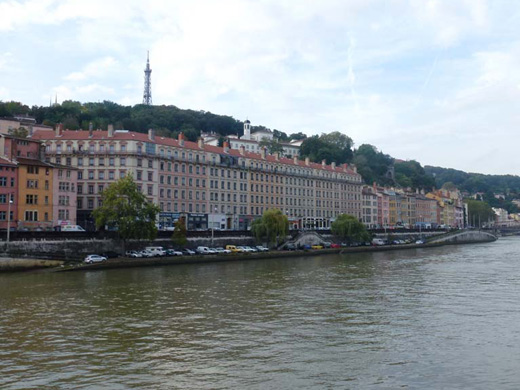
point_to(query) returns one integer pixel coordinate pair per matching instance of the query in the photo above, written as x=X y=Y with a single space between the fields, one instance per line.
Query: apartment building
x=201 y=182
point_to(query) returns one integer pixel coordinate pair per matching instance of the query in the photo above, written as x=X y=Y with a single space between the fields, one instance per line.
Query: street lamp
x=213 y=227
x=9 y=218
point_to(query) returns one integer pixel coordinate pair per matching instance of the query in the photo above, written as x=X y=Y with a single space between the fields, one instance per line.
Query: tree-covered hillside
x=475 y=182
x=373 y=164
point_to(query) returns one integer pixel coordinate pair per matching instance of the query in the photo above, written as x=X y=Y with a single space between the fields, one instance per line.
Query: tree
x=272 y=227
x=373 y=165
x=273 y=146
x=348 y=228
x=21 y=132
x=332 y=147
x=479 y=212
x=179 y=234
x=124 y=206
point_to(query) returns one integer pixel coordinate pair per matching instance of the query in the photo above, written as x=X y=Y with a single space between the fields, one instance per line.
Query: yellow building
x=34 y=194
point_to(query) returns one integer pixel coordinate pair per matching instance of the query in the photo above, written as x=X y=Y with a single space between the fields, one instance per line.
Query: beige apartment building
x=203 y=183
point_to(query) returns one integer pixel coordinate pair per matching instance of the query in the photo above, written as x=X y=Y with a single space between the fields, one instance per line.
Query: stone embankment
x=70 y=253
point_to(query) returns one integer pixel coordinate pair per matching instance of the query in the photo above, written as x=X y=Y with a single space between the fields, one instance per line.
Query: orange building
x=34 y=194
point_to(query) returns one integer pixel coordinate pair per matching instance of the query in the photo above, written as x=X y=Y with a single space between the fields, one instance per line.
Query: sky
x=427 y=80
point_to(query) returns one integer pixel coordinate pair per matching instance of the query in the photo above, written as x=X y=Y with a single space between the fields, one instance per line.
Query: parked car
x=378 y=241
x=335 y=245
x=134 y=254
x=419 y=242
x=156 y=250
x=244 y=249
x=222 y=250
x=203 y=250
x=173 y=252
x=251 y=249
x=95 y=259
x=317 y=247
x=146 y=253
x=188 y=252
x=110 y=254
x=327 y=244
x=290 y=247
x=233 y=249
x=262 y=248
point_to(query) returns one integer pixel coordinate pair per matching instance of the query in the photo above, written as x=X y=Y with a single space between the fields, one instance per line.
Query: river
x=436 y=318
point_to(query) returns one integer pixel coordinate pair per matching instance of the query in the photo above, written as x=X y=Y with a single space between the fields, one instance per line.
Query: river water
x=438 y=318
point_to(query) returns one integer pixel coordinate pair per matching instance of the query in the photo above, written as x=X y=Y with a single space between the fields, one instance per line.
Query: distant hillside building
x=251 y=141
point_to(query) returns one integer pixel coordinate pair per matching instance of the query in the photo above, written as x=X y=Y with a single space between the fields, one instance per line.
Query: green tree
x=273 y=146
x=124 y=206
x=332 y=147
x=21 y=132
x=272 y=227
x=348 y=228
x=373 y=165
x=479 y=212
x=179 y=234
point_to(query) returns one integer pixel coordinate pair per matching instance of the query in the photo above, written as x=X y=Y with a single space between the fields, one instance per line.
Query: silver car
x=94 y=259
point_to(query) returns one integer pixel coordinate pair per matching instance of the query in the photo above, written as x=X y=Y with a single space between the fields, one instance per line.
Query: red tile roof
x=98 y=135
x=4 y=161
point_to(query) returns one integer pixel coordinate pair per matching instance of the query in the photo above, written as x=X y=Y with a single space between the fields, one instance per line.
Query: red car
x=335 y=246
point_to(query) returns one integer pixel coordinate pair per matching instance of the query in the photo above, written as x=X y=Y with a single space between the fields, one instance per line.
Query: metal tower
x=147 y=95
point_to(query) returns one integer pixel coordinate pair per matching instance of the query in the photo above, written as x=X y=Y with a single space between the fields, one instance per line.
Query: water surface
x=419 y=319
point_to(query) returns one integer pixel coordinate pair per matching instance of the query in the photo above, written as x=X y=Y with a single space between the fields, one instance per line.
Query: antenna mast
x=147 y=95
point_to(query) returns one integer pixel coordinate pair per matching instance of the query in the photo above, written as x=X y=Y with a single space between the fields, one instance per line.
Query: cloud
x=95 y=69
x=429 y=80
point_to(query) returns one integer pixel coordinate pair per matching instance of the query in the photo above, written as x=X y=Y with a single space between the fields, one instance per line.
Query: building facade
x=202 y=182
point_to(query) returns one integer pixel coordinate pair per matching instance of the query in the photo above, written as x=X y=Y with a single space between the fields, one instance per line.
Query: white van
x=156 y=250
x=378 y=241
x=72 y=228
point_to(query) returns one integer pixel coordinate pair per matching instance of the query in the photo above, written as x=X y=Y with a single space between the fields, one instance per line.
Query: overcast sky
x=434 y=81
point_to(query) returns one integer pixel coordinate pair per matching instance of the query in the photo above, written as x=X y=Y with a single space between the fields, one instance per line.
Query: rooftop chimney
x=307 y=161
x=333 y=165
x=151 y=134
x=263 y=152
x=323 y=163
x=242 y=150
x=200 y=142
x=225 y=146
x=181 y=138
x=110 y=131
x=59 y=130
x=295 y=159
x=354 y=168
x=277 y=156
x=90 y=130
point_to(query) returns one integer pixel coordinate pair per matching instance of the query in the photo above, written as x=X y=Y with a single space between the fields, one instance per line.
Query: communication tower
x=147 y=95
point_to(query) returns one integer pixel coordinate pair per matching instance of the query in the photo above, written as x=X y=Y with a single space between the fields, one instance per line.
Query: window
x=123 y=161
x=150 y=190
x=31 y=215
x=80 y=188
x=101 y=175
x=91 y=162
x=102 y=161
x=111 y=161
x=123 y=148
x=111 y=175
x=31 y=199
x=150 y=176
x=80 y=161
